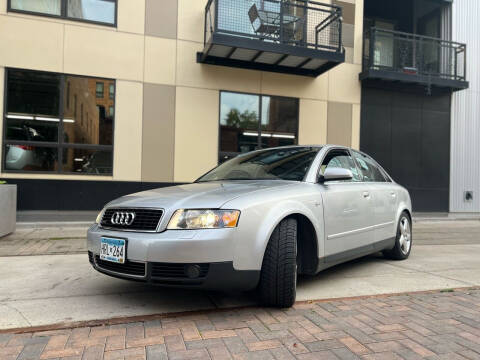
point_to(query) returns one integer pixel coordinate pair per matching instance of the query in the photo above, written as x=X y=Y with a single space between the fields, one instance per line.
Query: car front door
x=384 y=197
x=348 y=209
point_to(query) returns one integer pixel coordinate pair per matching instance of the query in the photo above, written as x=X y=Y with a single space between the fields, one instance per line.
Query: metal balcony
x=287 y=36
x=393 y=56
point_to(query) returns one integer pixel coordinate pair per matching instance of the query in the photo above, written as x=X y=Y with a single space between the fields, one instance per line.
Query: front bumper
x=213 y=276
x=163 y=258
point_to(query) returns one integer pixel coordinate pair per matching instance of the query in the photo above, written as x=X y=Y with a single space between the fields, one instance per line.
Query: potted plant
x=8 y=208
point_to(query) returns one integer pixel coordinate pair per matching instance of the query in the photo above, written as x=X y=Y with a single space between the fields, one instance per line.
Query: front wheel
x=403 y=241
x=278 y=279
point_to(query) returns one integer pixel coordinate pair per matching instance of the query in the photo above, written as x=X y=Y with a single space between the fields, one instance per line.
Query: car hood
x=197 y=195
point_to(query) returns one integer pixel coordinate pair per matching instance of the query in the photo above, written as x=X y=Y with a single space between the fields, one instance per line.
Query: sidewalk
x=70 y=238
x=433 y=325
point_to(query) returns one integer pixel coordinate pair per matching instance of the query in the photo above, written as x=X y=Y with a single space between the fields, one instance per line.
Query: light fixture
x=41 y=118
x=20 y=117
x=282 y=136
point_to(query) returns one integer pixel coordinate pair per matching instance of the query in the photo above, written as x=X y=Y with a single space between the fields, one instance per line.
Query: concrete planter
x=8 y=209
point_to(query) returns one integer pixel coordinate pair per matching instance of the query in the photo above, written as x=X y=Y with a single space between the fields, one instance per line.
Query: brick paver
x=46 y=241
x=54 y=241
x=434 y=325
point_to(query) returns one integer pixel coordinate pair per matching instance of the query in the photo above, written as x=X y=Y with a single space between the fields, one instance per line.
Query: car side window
x=370 y=171
x=339 y=158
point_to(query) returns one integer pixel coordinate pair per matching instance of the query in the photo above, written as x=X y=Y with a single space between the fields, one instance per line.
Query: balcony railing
x=394 y=55
x=303 y=35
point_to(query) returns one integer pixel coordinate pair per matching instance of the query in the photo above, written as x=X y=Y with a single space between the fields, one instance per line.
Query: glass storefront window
x=92 y=10
x=87 y=122
x=249 y=122
x=98 y=11
x=31 y=158
x=42 y=123
x=86 y=161
x=49 y=7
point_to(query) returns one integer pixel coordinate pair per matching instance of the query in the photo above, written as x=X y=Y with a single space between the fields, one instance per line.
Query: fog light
x=192 y=271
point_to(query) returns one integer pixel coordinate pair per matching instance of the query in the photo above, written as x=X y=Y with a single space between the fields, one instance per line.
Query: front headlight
x=99 y=216
x=203 y=219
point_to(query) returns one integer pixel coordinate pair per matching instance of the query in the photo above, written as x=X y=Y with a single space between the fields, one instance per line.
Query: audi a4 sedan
x=256 y=222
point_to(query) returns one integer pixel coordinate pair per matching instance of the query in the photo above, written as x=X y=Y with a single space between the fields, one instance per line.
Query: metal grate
x=129 y=268
x=414 y=54
x=169 y=270
x=301 y=23
x=145 y=219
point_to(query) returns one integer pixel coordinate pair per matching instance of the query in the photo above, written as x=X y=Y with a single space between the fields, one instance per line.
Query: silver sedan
x=256 y=221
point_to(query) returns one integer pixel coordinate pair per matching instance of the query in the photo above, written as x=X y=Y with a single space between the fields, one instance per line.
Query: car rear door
x=384 y=196
x=348 y=209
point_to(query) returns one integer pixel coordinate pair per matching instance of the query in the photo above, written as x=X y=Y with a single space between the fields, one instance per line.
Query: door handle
x=366 y=194
x=393 y=194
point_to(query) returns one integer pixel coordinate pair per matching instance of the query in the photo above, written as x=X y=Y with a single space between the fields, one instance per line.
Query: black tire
x=401 y=251
x=278 y=279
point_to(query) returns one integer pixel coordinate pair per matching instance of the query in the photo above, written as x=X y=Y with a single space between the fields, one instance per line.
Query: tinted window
x=340 y=159
x=92 y=10
x=101 y=11
x=275 y=164
x=33 y=115
x=49 y=7
x=370 y=171
x=251 y=122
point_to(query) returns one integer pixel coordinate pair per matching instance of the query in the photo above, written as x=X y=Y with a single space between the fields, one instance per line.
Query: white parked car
x=256 y=221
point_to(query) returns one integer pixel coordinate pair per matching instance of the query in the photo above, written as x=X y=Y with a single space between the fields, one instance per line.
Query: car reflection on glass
x=99 y=162
x=25 y=157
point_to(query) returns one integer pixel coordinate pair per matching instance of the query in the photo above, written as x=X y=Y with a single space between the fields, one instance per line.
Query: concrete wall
x=152 y=55
x=465 y=148
x=8 y=204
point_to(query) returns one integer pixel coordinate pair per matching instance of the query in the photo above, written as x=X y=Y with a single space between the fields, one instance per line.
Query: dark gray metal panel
x=409 y=134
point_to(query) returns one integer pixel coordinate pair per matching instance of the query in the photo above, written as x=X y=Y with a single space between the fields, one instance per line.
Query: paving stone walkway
x=54 y=241
x=436 y=325
x=44 y=241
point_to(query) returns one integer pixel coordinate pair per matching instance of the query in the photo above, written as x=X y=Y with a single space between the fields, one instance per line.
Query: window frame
x=63 y=14
x=102 y=84
x=60 y=145
x=260 y=98
x=387 y=178
x=111 y=94
x=350 y=152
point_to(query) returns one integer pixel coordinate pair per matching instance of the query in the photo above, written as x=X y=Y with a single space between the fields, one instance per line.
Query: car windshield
x=274 y=164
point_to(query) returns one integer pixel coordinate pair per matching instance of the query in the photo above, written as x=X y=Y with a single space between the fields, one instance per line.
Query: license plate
x=113 y=250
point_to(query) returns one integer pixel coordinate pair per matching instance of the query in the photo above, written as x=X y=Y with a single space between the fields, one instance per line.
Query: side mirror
x=335 y=174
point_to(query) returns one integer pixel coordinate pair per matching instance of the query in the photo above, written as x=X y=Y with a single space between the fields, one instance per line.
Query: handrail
x=314 y=25
x=414 y=55
x=413 y=35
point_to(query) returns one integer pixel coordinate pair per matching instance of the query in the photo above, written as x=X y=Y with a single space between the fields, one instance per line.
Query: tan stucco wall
x=127 y=157
x=160 y=60
x=313 y=122
x=131 y=16
x=196 y=132
x=31 y=44
x=158 y=142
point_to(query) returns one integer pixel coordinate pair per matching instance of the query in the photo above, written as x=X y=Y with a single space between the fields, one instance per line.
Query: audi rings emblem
x=123 y=218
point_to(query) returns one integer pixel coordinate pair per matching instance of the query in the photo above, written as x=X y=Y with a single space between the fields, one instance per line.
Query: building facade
x=103 y=98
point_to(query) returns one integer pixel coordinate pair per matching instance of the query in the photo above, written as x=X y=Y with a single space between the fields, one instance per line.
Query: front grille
x=129 y=268
x=169 y=270
x=145 y=219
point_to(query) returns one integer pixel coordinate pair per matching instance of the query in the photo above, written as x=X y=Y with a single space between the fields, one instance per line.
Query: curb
x=51 y=224
x=143 y=318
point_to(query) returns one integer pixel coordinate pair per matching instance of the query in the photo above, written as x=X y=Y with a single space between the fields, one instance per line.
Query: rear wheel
x=403 y=241
x=278 y=279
